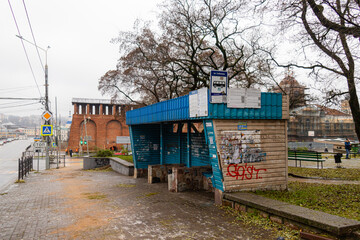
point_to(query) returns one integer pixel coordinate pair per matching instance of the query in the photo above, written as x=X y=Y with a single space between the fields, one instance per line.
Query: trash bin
x=337 y=158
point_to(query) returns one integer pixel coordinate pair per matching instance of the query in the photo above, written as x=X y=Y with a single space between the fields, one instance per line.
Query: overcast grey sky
x=78 y=33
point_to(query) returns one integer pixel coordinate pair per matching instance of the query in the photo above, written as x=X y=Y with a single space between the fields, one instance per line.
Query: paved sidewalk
x=69 y=203
x=322 y=181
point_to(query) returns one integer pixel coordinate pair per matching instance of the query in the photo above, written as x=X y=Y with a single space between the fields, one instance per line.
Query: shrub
x=104 y=153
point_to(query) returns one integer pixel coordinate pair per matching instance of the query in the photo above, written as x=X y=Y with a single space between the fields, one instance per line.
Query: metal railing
x=55 y=160
x=25 y=166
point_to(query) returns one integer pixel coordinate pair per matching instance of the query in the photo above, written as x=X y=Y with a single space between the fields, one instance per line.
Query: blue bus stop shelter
x=245 y=147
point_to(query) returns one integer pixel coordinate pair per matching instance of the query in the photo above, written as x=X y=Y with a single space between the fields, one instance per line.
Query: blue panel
x=184 y=148
x=145 y=145
x=132 y=145
x=171 y=145
x=199 y=150
x=178 y=110
x=217 y=174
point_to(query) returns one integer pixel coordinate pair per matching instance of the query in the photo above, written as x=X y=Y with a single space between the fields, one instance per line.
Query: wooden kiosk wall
x=270 y=139
x=271 y=171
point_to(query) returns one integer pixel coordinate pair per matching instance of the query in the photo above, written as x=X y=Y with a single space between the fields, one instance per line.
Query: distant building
x=315 y=121
x=345 y=106
x=295 y=91
x=101 y=123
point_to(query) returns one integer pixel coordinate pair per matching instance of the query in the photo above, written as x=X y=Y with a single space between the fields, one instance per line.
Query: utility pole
x=47 y=122
x=86 y=137
x=59 y=140
x=57 y=135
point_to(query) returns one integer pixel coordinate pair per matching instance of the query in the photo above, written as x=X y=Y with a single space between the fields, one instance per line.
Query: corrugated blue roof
x=178 y=110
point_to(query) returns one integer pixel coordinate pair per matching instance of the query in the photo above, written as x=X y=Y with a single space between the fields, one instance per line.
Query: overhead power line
x=11 y=98
x=16 y=88
x=19 y=105
x=22 y=42
x=9 y=103
x=32 y=33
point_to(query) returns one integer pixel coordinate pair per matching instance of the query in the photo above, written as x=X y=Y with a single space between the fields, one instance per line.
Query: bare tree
x=330 y=38
x=195 y=37
x=143 y=70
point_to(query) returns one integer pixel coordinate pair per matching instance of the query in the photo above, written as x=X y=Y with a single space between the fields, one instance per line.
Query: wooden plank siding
x=271 y=138
x=285 y=107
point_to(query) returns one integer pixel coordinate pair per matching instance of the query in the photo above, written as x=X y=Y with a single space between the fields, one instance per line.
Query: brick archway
x=113 y=129
x=106 y=122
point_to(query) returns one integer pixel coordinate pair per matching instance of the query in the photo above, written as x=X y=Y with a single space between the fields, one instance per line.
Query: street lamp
x=46 y=71
x=45 y=50
x=47 y=122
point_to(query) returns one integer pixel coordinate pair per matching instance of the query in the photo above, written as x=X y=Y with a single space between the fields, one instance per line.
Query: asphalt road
x=9 y=155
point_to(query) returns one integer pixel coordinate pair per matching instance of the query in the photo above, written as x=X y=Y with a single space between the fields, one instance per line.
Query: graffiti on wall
x=101 y=162
x=241 y=147
x=244 y=172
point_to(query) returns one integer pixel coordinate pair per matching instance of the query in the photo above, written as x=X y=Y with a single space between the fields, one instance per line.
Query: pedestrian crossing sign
x=46 y=130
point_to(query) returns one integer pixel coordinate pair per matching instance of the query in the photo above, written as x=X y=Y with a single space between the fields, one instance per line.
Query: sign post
x=218 y=86
x=47 y=130
x=39 y=146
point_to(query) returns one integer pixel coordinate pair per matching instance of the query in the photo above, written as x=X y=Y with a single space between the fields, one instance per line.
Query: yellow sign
x=46 y=130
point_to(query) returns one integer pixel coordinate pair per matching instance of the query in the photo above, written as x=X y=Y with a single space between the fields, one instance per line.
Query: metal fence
x=25 y=165
x=55 y=160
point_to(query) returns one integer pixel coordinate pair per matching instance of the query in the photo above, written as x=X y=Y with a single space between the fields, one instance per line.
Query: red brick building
x=101 y=123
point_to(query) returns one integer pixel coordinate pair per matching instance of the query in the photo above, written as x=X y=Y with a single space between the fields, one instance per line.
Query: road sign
x=39 y=144
x=218 y=86
x=46 y=130
x=53 y=144
x=47 y=115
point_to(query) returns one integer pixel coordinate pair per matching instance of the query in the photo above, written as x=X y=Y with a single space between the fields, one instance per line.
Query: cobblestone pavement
x=69 y=203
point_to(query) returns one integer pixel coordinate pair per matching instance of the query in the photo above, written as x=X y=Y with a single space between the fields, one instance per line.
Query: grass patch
x=2 y=194
x=168 y=223
x=128 y=158
x=95 y=195
x=351 y=174
x=148 y=195
x=251 y=219
x=20 y=181
x=342 y=200
x=125 y=185
x=101 y=169
x=151 y=194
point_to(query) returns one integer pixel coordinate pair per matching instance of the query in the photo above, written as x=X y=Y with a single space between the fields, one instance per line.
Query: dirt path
x=322 y=181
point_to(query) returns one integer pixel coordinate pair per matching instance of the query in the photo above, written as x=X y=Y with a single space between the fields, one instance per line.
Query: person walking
x=70 y=152
x=347 y=148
